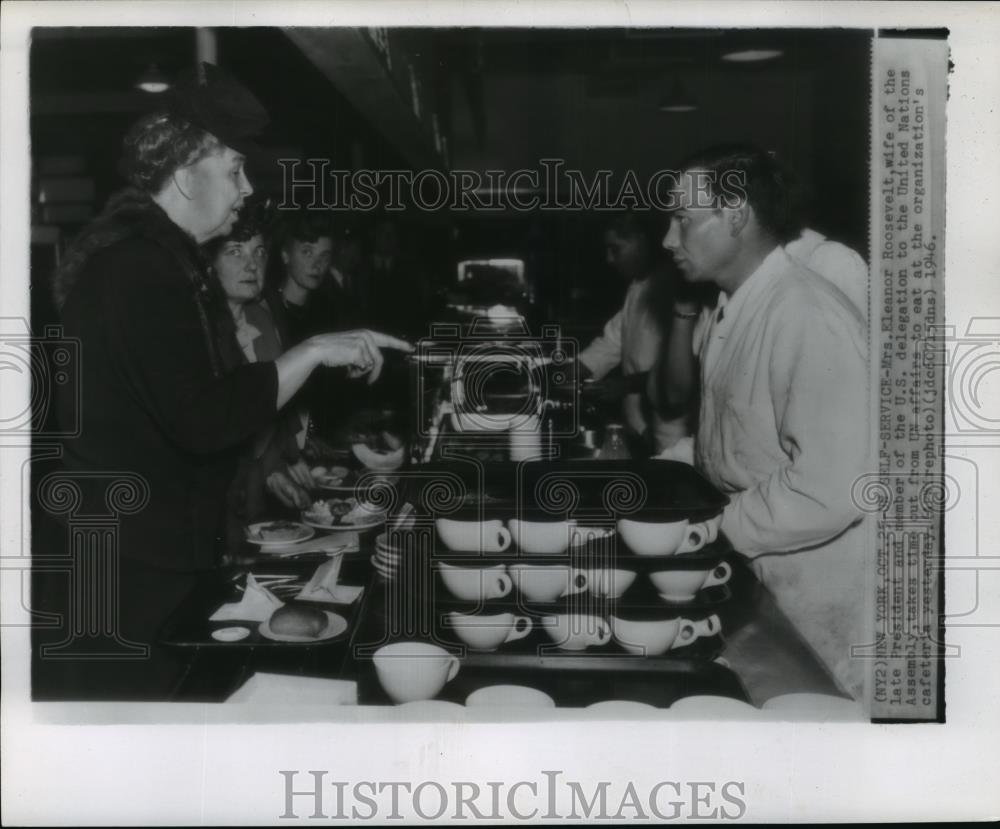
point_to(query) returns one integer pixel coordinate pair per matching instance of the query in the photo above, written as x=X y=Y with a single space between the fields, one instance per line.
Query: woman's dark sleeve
x=155 y=332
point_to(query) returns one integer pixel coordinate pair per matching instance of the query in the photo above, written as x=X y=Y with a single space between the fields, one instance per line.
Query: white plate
x=303 y=533
x=814 y=707
x=623 y=708
x=335 y=626
x=230 y=634
x=333 y=528
x=714 y=708
x=508 y=696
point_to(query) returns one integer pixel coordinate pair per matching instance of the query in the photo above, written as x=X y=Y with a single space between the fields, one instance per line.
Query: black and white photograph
x=546 y=415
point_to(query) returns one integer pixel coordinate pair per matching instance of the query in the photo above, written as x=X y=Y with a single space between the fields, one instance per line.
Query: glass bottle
x=614 y=448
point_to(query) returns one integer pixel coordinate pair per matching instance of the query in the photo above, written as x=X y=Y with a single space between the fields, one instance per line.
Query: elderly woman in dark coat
x=157 y=398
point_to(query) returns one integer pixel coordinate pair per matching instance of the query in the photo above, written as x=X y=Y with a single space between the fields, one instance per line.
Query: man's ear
x=284 y=256
x=737 y=218
x=183 y=181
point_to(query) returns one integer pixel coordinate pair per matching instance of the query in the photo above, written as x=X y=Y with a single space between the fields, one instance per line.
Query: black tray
x=189 y=625
x=641 y=489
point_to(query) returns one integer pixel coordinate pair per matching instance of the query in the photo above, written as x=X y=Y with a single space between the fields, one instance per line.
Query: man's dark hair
x=747 y=171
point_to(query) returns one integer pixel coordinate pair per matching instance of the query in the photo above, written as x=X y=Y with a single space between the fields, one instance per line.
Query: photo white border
x=227 y=773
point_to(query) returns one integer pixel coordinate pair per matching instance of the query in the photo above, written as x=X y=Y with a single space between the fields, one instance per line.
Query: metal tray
x=554 y=490
x=189 y=625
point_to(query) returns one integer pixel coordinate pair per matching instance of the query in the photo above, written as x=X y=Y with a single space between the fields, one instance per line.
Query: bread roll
x=292 y=620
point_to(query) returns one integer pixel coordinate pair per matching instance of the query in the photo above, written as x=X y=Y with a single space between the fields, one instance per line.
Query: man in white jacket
x=784 y=417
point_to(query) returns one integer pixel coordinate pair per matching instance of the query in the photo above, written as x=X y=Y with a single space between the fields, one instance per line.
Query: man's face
x=625 y=254
x=308 y=262
x=217 y=185
x=240 y=268
x=699 y=237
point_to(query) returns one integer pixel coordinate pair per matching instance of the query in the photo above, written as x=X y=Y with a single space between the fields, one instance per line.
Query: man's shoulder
x=799 y=289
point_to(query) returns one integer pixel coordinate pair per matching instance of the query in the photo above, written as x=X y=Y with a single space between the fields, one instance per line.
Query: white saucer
x=509 y=696
x=335 y=626
x=815 y=708
x=231 y=634
x=711 y=707
x=623 y=708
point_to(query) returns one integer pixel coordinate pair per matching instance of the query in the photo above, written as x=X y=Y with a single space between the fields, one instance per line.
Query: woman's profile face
x=216 y=186
x=625 y=254
x=240 y=268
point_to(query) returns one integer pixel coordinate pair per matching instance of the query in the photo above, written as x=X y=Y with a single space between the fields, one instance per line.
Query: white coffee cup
x=648 y=538
x=489 y=632
x=609 y=583
x=547 y=583
x=652 y=637
x=542 y=537
x=473 y=536
x=682 y=585
x=475 y=583
x=410 y=671
x=576 y=631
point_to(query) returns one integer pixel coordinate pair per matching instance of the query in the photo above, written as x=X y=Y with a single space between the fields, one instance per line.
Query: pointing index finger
x=387 y=341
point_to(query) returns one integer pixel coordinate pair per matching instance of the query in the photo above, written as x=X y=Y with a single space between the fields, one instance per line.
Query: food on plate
x=379 y=461
x=279 y=531
x=293 y=620
x=334 y=511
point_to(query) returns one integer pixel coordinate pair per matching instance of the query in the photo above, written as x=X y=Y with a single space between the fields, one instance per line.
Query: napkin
x=257 y=605
x=323 y=587
x=285 y=688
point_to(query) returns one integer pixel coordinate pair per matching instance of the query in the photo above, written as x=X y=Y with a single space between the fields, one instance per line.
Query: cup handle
x=504 y=586
x=578 y=582
x=695 y=539
x=720 y=575
x=686 y=634
x=520 y=629
x=713 y=529
x=453 y=666
x=503 y=539
x=709 y=627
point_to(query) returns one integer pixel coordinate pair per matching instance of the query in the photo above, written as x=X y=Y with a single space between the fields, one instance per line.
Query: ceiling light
x=153 y=80
x=749 y=55
x=678 y=100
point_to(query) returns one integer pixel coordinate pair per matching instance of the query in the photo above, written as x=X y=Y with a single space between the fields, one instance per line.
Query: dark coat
x=157 y=398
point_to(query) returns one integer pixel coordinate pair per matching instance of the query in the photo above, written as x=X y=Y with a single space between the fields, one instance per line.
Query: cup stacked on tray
x=587 y=602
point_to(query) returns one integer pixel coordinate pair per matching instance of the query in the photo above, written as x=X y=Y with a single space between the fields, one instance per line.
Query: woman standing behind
x=157 y=402
x=252 y=330
x=631 y=338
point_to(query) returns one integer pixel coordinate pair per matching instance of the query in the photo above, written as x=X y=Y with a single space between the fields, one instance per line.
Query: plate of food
x=343 y=514
x=296 y=623
x=272 y=534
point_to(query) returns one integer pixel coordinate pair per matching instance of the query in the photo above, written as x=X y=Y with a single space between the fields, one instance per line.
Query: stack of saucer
x=386 y=559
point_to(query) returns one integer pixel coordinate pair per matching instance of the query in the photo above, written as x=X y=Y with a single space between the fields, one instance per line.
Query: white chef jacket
x=632 y=339
x=784 y=430
x=837 y=262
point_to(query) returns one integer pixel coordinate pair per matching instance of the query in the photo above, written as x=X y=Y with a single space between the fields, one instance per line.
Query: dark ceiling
x=514 y=96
